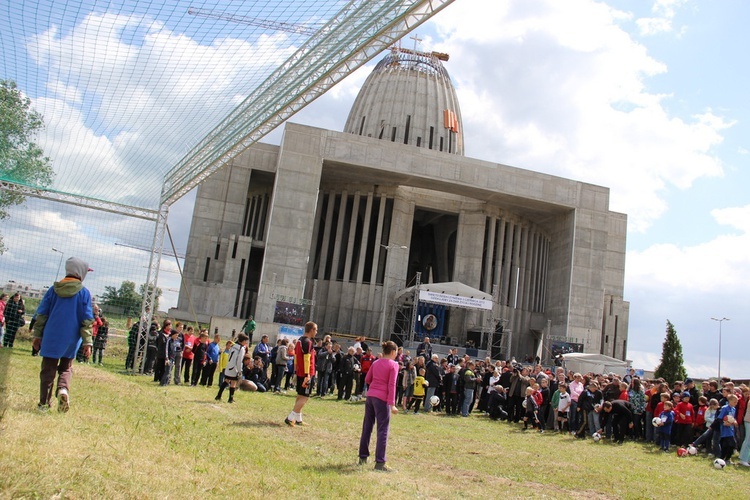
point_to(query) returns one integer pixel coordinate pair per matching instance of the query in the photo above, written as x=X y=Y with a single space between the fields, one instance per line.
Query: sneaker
x=301 y=423
x=288 y=422
x=744 y=464
x=231 y=400
x=382 y=467
x=63 y=401
x=42 y=408
x=217 y=398
x=362 y=461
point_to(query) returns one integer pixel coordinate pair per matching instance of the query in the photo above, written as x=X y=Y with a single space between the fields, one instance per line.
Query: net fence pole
x=149 y=290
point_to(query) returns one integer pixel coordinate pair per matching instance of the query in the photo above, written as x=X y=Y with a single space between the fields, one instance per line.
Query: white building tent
x=595 y=363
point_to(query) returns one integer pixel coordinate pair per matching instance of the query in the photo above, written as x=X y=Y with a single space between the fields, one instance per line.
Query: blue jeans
x=714 y=436
x=468 y=399
x=428 y=394
x=573 y=421
x=745 y=450
x=593 y=418
x=177 y=367
x=322 y=384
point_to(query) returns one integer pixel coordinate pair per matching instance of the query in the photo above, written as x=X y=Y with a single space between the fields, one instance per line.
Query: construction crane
x=145 y=249
x=298 y=29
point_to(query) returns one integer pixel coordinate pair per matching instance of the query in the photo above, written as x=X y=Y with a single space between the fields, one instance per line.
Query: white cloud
x=65 y=92
x=716 y=266
x=664 y=13
x=737 y=217
x=560 y=88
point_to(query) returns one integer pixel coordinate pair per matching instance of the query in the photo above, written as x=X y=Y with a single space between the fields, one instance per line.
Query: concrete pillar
x=490 y=256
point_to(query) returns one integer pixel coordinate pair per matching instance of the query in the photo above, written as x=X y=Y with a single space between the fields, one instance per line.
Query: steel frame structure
x=80 y=201
x=360 y=31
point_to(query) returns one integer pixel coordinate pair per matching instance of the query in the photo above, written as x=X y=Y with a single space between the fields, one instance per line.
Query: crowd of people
x=600 y=406
x=713 y=419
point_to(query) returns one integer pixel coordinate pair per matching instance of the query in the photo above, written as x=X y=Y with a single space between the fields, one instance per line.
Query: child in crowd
x=100 y=341
x=258 y=375
x=172 y=346
x=684 y=418
x=543 y=400
x=664 y=397
x=532 y=409
x=419 y=391
x=563 y=406
x=223 y=360
x=410 y=374
x=707 y=436
x=699 y=424
x=728 y=417
x=246 y=383
x=624 y=392
x=233 y=371
x=665 y=426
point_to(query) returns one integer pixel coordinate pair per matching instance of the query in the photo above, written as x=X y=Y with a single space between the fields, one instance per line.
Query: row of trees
x=126 y=299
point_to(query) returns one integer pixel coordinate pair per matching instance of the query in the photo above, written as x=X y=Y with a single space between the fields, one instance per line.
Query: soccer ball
x=434 y=400
x=729 y=419
x=524 y=403
x=682 y=452
x=656 y=421
x=692 y=450
x=596 y=437
x=719 y=464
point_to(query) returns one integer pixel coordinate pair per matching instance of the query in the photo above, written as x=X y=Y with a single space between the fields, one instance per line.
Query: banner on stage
x=454 y=300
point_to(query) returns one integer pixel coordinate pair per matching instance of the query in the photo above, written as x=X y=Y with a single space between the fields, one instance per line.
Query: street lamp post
x=720 y=321
x=385 y=288
x=59 y=264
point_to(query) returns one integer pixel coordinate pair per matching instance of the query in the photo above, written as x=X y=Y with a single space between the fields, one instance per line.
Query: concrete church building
x=323 y=225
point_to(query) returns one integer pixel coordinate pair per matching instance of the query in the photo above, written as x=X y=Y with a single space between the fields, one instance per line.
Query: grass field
x=125 y=437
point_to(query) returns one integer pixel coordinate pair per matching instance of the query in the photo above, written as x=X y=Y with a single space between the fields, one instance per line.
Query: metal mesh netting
x=46 y=233
x=141 y=101
x=126 y=89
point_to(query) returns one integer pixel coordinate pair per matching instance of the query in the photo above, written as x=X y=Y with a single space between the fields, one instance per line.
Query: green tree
x=126 y=299
x=670 y=368
x=142 y=289
x=21 y=160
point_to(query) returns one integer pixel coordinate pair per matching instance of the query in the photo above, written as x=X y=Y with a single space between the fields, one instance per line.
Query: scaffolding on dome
x=124 y=90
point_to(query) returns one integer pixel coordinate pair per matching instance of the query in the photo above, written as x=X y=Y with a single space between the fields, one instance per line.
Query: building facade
x=336 y=223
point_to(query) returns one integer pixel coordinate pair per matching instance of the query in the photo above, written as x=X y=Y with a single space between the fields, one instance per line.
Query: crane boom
x=299 y=29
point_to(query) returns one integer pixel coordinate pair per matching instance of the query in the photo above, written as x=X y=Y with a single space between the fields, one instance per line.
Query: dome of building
x=409 y=98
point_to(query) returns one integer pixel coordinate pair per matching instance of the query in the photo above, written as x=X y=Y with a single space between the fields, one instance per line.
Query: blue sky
x=648 y=98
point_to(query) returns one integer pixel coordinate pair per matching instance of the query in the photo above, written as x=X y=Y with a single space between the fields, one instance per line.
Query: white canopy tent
x=595 y=363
